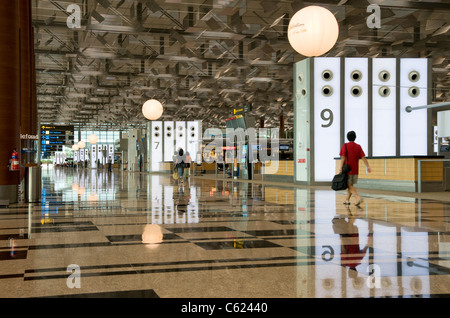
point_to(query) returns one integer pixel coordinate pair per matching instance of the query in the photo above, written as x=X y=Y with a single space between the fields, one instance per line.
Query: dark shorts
x=352 y=178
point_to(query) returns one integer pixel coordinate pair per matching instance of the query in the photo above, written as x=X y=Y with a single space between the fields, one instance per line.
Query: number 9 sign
x=327 y=116
x=327 y=108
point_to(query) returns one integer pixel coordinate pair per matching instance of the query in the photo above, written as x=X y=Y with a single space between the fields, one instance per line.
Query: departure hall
x=224 y=149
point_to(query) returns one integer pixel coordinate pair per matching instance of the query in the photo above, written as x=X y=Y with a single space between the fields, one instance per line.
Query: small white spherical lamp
x=93 y=139
x=81 y=144
x=75 y=147
x=313 y=31
x=152 y=109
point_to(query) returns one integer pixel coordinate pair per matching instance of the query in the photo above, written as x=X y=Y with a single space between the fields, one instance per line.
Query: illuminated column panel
x=156 y=149
x=413 y=92
x=99 y=153
x=193 y=137
x=169 y=140
x=384 y=105
x=356 y=88
x=327 y=114
x=302 y=115
x=93 y=156
x=180 y=135
x=105 y=154
x=111 y=152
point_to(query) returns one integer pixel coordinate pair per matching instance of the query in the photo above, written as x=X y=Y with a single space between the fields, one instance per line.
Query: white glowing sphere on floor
x=313 y=31
x=152 y=109
x=93 y=139
x=152 y=235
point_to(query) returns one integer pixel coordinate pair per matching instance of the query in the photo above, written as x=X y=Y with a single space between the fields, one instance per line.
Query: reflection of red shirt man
x=351 y=254
x=351 y=153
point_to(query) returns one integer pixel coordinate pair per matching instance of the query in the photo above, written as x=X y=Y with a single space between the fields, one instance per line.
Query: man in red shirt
x=350 y=154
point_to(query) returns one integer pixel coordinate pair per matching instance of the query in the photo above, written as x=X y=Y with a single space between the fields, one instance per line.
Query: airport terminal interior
x=98 y=97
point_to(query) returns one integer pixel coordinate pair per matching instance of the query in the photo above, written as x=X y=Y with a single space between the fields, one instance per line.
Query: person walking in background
x=351 y=153
x=180 y=164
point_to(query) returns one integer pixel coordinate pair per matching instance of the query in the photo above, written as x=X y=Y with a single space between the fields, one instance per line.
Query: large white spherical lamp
x=313 y=31
x=152 y=109
x=75 y=147
x=92 y=139
x=81 y=144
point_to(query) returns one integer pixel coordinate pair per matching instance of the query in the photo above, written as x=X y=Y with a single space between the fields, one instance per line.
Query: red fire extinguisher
x=15 y=160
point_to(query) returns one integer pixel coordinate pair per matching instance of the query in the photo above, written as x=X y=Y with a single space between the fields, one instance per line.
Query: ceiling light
x=152 y=109
x=313 y=31
x=93 y=139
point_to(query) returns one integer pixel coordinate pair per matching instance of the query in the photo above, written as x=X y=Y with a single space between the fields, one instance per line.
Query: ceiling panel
x=202 y=58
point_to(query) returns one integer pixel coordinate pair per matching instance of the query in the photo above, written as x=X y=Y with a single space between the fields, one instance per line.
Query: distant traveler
x=350 y=154
x=180 y=164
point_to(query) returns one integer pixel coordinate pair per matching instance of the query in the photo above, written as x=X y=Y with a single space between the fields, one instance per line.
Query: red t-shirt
x=352 y=255
x=355 y=153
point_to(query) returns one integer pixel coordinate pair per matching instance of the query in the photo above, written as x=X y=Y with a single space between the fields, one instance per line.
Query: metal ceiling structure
x=203 y=58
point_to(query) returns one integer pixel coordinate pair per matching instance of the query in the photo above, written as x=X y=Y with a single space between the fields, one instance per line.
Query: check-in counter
x=402 y=173
x=279 y=171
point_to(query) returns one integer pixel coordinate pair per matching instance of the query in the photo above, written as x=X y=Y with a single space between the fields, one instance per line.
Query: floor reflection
x=302 y=238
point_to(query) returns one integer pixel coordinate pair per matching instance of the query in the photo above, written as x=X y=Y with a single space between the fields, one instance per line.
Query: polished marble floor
x=142 y=235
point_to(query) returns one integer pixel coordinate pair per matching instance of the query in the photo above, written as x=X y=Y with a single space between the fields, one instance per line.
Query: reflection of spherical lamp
x=75 y=147
x=152 y=234
x=81 y=144
x=152 y=109
x=313 y=31
x=92 y=139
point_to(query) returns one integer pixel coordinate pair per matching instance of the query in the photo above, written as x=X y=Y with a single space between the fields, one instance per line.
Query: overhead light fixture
x=93 y=139
x=152 y=109
x=313 y=31
x=81 y=144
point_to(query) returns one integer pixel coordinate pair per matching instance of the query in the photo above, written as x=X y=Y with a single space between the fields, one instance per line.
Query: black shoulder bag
x=340 y=181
